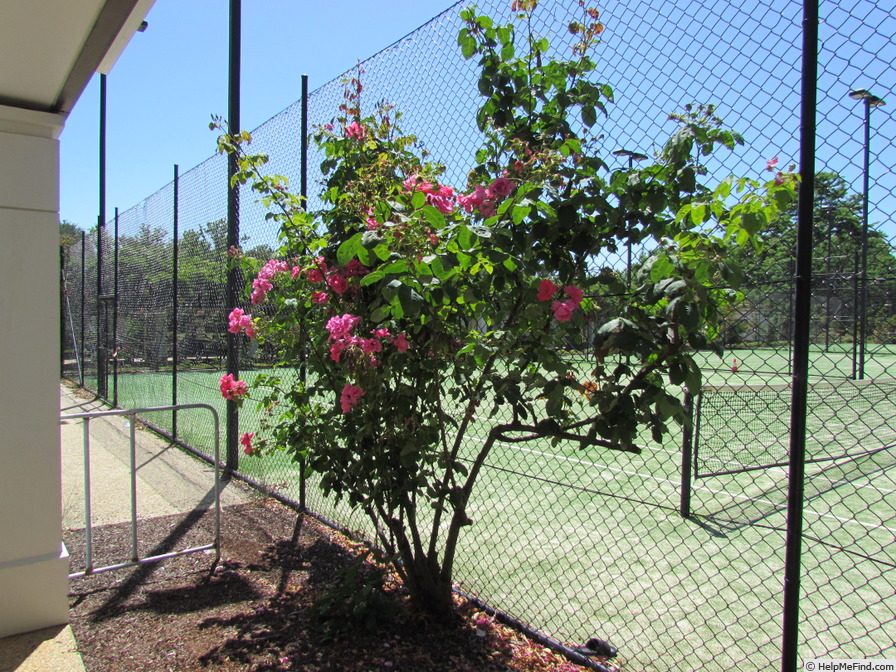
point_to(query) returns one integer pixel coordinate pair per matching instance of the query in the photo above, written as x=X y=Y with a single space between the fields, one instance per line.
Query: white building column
x=33 y=562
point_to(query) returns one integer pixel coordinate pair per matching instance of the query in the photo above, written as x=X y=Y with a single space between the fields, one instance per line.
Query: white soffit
x=49 y=49
x=40 y=41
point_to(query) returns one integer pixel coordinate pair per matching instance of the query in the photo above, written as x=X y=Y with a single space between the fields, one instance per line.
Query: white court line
x=676 y=484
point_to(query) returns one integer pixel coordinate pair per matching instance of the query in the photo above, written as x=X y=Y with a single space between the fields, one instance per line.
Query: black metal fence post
x=802 y=315
x=303 y=192
x=83 y=316
x=115 y=320
x=174 y=294
x=233 y=228
x=687 y=450
x=102 y=382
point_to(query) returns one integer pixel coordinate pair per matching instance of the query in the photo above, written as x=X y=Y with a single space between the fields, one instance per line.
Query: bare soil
x=280 y=599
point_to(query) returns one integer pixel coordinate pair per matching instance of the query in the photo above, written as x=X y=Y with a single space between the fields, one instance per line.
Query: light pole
x=870 y=101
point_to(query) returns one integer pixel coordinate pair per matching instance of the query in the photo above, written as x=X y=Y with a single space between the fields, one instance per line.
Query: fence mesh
x=581 y=544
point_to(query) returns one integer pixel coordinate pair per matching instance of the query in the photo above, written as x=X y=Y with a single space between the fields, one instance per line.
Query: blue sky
x=743 y=55
x=172 y=78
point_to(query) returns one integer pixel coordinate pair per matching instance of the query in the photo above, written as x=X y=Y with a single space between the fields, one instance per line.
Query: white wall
x=33 y=562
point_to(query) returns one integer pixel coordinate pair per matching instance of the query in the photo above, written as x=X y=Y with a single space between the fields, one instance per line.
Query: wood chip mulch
x=265 y=606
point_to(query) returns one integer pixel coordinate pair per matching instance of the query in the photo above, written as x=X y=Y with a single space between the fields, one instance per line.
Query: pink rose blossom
x=239 y=320
x=770 y=164
x=314 y=275
x=574 y=293
x=320 y=297
x=401 y=343
x=372 y=224
x=336 y=350
x=355 y=131
x=501 y=187
x=295 y=272
x=232 y=389
x=546 y=289
x=350 y=396
x=246 y=440
x=563 y=310
x=371 y=345
x=354 y=268
x=341 y=326
x=473 y=200
x=442 y=203
x=380 y=333
x=337 y=283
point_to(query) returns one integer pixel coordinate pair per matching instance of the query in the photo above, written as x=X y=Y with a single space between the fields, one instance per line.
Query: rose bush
x=420 y=313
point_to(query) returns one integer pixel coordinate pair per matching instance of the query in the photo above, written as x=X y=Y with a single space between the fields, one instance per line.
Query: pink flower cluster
x=336 y=280
x=340 y=328
x=349 y=397
x=240 y=321
x=441 y=197
x=563 y=310
x=485 y=199
x=262 y=284
x=246 y=440
x=355 y=131
x=232 y=389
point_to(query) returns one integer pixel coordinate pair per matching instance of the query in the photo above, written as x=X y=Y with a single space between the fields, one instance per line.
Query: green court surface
x=582 y=543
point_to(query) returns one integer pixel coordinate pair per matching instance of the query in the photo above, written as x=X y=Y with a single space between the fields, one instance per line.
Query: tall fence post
x=801 y=341
x=115 y=320
x=687 y=451
x=102 y=388
x=233 y=229
x=83 y=296
x=174 y=316
x=303 y=192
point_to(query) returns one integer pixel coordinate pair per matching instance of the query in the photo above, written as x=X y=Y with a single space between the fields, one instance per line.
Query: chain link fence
x=675 y=556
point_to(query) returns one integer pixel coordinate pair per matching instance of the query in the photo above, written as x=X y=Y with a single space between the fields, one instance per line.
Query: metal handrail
x=88 y=530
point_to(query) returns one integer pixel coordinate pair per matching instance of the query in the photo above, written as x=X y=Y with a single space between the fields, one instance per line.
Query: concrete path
x=169 y=481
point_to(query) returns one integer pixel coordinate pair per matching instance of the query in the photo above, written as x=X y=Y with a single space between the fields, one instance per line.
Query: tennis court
x=583 y=543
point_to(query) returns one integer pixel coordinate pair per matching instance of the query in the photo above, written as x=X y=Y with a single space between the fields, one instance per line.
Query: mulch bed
x=277 y=601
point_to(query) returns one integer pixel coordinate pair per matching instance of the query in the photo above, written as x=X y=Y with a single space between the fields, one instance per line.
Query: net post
x=687 y=450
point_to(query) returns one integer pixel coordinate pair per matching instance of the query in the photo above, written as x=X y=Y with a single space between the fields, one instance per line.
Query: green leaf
x=372 y=278
x=411 y=301
x=589 y=116
x=698 y=214
x=519 y=213
x=418 y=199
x=434 y=217
x=465 y=237
x=348 y=250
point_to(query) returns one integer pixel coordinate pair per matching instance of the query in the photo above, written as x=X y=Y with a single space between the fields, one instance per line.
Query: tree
x=432 y=323
x=769 y=270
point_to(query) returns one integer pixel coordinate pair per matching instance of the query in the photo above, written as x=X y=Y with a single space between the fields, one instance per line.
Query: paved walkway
x=169 y=481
